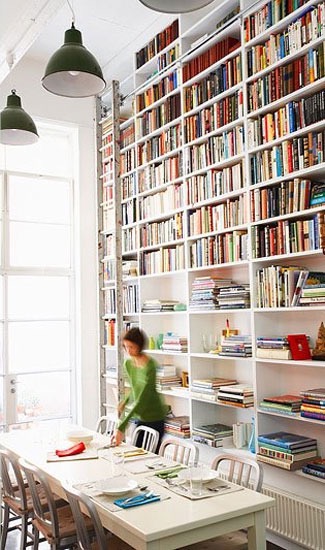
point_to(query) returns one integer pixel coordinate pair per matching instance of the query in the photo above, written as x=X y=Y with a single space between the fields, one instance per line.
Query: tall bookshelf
x=217 y=163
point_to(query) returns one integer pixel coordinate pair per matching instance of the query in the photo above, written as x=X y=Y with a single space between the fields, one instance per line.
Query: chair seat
x=17 y=509
x=67 y=526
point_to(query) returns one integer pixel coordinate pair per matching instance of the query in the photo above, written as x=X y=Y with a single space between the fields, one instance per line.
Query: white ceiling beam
x=24 y=30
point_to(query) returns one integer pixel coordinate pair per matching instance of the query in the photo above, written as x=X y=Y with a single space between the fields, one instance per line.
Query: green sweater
x=147 y=404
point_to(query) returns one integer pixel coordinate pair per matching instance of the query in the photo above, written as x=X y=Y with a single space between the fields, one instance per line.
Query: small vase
x=251 y=443
x=152 y=344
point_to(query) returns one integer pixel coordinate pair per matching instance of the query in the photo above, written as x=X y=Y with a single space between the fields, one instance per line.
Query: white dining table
x=168 y=524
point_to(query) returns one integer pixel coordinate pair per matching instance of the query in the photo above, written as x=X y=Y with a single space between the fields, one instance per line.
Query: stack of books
x=313 y=291
x=313 y=403
x=205 y=292
x=274 y=347
x=173 y=342
x=315 y=468
x=166 y=377
x=207 y=388
x=284 y=404
x=234 y=297
x=237 y=395
x=152 y=306
x=286 y=450
x=236 y=346
x=212 y=434
x=178 y=426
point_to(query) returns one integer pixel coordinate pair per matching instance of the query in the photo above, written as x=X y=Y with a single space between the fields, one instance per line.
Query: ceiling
x=111 y=30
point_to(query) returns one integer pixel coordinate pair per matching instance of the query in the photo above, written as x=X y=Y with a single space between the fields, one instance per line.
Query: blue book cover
x=286 y=440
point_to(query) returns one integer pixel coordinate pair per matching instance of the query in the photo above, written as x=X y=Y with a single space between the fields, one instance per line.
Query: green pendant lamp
x=16 y=126
x=73 y=71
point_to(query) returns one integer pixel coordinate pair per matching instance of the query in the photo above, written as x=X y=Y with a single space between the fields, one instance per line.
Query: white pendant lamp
x=16 y=126
x=175 y=6
x=73 y=71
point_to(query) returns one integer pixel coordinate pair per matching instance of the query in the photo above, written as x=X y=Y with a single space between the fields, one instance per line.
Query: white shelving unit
x=167 y=173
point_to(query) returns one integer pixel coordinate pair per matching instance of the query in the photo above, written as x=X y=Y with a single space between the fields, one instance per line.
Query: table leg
x=257 y=533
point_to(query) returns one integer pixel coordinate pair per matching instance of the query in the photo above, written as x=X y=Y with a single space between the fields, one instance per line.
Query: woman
x=147 y=407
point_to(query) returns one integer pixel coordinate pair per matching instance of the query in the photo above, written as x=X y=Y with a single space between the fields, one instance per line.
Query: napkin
x=170 y=472
x=136 y=501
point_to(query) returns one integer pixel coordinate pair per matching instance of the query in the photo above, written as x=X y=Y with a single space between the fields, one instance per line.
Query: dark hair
x=136 y=336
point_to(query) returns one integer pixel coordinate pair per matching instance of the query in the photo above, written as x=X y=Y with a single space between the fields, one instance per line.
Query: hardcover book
x=299 y=347
x=287 y=440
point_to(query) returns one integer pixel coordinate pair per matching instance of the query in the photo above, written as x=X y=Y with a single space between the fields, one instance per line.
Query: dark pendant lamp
x=175 y=6
x=73 y=71
x=16 y=126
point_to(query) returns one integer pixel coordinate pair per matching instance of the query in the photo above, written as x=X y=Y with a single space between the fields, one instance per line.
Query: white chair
x=106 y=425
x=180 y=451
x=145 y=437
x=242 y=471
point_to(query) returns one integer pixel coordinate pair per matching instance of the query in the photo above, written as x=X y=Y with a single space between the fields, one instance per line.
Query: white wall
x=26 y=79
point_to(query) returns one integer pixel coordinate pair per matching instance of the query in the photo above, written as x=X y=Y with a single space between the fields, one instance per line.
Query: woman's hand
x=117 y=438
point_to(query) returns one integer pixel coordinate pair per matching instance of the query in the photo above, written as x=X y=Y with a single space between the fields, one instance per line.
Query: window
x=37 y=279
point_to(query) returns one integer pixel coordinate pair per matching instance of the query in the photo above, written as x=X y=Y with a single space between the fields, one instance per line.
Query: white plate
x=117 y=485
x=208 y=475
x=80 y=435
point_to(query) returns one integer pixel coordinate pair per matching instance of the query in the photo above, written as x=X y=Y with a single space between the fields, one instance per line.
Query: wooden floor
x=224 y=543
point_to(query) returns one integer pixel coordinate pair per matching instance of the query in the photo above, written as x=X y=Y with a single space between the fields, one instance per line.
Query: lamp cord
x=72 y=11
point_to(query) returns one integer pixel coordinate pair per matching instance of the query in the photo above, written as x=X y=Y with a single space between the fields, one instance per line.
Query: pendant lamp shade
x=175 y=6
x=73 y=71
x=16 y=126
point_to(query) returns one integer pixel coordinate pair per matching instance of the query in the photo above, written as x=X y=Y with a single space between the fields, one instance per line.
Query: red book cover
x=299 y=347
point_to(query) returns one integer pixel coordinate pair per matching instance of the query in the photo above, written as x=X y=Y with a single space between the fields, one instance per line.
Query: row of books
x=287 y=236
x=222 y=78
x=167 y=141
x=156 y=305
x=127 y=161
x=158 y=43
x=155 y=175
x=127 y=135
x=309 y=404
x=289 y=156
x=286 y=79
x=157 y=204
x=209 y=119
x=209 y=57
x=289 y=286
x=165 y=231
x=214 y=183
x=267 y=16
x=285 y=198
x=217 y=217
x=163 y=260
x=157 y=91
x=290 y=118
x=291 y=39
x=219 y=249
x=159 y=116
x=236 y=395
x=214 y=150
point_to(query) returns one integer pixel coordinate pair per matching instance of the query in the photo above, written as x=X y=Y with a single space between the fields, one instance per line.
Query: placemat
x=149 y=464
x=87 y=454
x=91 y=489
x=209 y=490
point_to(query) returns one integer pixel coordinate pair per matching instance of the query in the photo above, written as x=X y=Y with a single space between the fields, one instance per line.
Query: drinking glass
x=196 y=475
x=117 y=463
x=208 y=342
